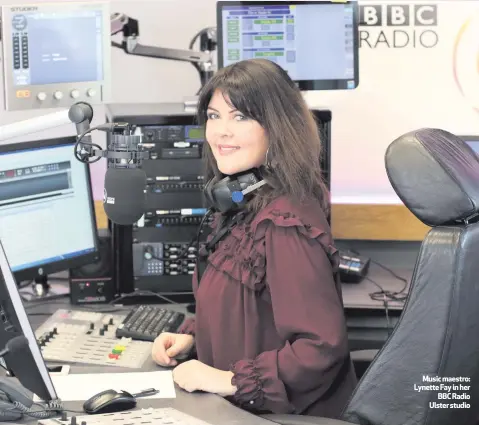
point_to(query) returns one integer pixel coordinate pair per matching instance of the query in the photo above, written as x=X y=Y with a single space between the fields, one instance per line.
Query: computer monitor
x=47 y=216
x=316 y=42
x=27 y=364
x=55 y=54
x=472 y=141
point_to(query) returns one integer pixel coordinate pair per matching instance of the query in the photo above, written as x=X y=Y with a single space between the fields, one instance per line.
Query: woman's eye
x=240 y=118
x=212 y=116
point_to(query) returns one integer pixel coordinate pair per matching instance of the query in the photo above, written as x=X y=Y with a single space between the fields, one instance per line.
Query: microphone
x=124 y=197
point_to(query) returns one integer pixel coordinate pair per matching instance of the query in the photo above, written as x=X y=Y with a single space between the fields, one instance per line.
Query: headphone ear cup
x=208 y=192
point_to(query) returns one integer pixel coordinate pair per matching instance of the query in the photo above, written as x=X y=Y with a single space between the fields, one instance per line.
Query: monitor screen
x=42 y=56
x=47 y=219
x=472 y=141
x=56 y=54
x=315 y=42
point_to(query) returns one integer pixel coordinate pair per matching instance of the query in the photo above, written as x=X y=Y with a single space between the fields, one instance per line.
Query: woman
x=269 y=330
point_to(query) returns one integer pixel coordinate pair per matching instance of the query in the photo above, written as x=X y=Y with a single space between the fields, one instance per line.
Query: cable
x=384 y=295
x=48 y=410
x=84 y=156
x=143 y=294
x=191 y=45
x=194 y=239
x=51 y=409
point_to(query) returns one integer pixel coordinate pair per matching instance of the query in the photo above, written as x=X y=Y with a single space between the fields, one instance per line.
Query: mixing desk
x=149 y=416
x=74 y=336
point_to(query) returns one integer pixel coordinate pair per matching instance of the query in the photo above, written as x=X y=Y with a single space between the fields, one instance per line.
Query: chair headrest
x=436 y=175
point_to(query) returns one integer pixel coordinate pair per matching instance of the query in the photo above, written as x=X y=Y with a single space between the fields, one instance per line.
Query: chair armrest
x=302 y=420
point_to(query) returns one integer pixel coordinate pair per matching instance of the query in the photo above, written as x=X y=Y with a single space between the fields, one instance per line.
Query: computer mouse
x=109 y=401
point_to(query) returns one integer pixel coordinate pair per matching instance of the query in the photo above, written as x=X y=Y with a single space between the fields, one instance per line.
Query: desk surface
x=208 y=407
x=399 y=257
x=215 y=409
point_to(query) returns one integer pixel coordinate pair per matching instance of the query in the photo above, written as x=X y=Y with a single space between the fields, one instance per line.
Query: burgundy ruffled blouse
x=269 y=308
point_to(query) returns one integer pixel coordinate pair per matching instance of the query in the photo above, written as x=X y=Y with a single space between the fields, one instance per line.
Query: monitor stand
x=42 y=289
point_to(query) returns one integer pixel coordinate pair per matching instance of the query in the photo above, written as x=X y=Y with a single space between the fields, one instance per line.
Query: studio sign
x=398 y=26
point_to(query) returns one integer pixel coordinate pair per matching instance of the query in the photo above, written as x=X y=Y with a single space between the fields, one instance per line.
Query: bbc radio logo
x=398 y=25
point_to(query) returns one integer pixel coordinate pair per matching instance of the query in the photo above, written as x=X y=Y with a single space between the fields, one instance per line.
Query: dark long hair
x=264 y=92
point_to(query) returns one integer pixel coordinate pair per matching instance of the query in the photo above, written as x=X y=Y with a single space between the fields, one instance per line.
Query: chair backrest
x=427 y=373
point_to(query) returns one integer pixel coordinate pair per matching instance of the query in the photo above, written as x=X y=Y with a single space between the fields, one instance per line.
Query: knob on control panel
x=91 y=92
x=58 y=95
x=41 y=96
x=74 y=93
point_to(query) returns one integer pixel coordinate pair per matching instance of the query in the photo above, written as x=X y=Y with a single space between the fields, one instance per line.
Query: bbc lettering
x=398 y=15
x=398 y=26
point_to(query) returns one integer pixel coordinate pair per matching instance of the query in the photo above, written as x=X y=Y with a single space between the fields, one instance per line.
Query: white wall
x=401 y=89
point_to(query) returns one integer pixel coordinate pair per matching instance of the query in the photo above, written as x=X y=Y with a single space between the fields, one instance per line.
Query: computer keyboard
x=161 y=416
x=146 y=322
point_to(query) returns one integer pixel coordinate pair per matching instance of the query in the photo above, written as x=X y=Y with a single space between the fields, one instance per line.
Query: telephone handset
x=13 y=399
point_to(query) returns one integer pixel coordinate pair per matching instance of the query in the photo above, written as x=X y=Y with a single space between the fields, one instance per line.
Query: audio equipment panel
x=93 y=283
x=175 y=203
x=75 y=336
x=159 y=259
x=45 y=56
x=173 y=141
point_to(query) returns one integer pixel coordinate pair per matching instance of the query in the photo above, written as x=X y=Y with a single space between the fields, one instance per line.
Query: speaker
x=94 y=283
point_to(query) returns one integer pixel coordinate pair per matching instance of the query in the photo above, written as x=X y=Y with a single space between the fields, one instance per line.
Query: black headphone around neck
x=230 y=193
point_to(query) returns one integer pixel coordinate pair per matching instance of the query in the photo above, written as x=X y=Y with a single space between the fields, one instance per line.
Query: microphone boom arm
x=132 y=47
x=202 y=60
x=80 y=114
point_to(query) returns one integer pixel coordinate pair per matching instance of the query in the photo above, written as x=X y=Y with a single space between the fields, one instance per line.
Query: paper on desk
x=83 y=386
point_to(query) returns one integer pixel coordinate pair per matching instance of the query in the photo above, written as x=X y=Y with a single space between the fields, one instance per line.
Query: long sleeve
x=309 y=317
x=188 y=326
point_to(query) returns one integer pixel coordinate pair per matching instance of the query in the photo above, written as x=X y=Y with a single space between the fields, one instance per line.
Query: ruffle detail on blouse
x=242 y=257
x=287 y=219
x=247 y=380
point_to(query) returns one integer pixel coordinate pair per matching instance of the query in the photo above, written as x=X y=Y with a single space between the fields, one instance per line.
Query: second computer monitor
x=316 y=42
x=472 y=141
x=47 y=218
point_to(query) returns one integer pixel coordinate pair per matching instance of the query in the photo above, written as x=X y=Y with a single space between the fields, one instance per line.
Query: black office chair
x=436 y=175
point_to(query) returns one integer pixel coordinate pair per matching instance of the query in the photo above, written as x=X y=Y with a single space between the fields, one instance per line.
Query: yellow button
x=119 y=348
x=23 y=93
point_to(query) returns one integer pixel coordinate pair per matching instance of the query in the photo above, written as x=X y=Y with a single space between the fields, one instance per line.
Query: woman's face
x=238 y=143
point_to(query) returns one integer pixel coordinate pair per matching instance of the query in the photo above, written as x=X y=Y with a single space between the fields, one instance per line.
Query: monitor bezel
x=13 y=306
x=470 y=138
x=25 y=97
x=303 y=85
x=65 y=264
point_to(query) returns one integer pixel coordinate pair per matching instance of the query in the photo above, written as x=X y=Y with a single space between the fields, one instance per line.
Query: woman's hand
x=168 y=345
x=194 y=375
